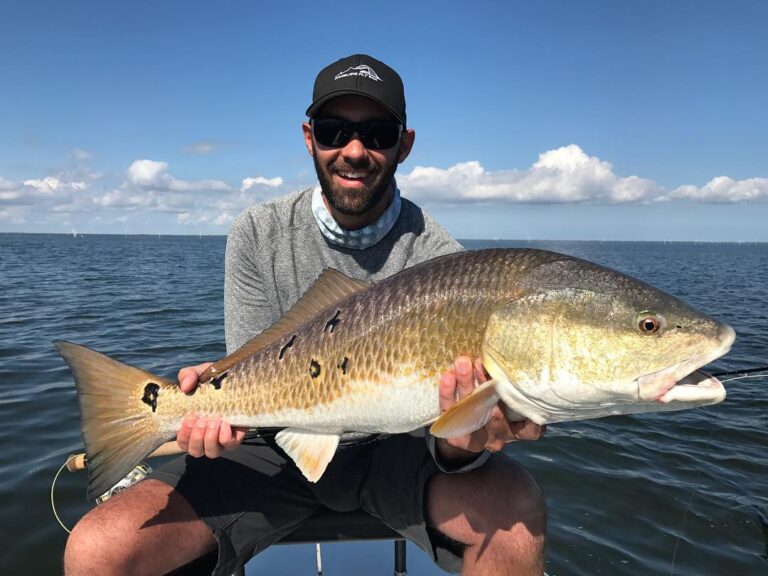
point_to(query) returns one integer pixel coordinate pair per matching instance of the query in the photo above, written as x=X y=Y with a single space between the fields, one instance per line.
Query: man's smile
x=351 y=177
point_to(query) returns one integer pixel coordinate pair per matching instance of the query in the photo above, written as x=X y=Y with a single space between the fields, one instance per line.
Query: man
x=469 y=509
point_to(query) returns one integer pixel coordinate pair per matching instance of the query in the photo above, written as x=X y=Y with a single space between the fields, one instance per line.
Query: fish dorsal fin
x=330 y=288
x=311 y=451
x=468 y=414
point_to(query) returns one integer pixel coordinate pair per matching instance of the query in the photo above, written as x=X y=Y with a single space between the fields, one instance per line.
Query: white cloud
x=725 y=189
x=10 y=192
x=9 y=195
x=223 y=219
x=50 y=185
x=48 y=198
x=150 y=187
x=562 y=175
x=152 y=176
x=199 y=186
x=201 y=148
x=146 y=172
x=565 y=175
x=45 y=193
x=249 y=183
x=47 y=185
x=123 y=199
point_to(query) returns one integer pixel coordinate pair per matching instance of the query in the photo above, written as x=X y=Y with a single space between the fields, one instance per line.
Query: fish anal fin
x=468 y=414
x=330 y=288
x=311 y=451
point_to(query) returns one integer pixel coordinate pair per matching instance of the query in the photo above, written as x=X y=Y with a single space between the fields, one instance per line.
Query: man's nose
x=354 y=148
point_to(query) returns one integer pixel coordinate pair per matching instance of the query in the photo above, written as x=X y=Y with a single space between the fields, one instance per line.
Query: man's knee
x=148 y=528
x=96 y=542
x=499 y=497
x=508 y=496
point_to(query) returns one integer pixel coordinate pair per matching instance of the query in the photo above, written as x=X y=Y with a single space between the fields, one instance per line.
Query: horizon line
x=460 y=240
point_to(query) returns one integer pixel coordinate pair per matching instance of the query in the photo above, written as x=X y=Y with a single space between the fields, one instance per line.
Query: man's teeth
x=353 y=175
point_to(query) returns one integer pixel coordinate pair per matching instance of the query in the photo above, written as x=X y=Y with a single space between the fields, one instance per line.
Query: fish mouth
x=684 y=383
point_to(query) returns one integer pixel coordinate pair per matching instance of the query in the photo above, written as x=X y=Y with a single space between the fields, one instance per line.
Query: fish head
x=581 y=341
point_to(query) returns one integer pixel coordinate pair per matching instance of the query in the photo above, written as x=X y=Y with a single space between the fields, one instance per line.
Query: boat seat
x=327 y=526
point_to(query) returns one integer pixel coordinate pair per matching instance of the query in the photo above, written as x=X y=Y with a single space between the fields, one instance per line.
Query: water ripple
x=681 y=493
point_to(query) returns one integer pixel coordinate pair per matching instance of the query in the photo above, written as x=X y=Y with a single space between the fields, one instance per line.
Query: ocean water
x=673 y=494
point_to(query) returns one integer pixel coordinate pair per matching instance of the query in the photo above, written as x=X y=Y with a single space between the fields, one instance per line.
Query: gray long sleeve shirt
x=275 y=252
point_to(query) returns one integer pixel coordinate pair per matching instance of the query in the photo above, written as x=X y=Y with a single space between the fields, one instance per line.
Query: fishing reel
x=77 y=462
x=141 y=471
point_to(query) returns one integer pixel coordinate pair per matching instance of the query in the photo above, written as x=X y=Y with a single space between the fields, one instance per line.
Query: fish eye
x=649 y=323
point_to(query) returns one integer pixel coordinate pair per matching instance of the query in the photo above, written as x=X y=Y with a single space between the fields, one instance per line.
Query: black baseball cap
x=362 y=75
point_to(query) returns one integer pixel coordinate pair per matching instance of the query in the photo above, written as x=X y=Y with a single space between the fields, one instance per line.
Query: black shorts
x=254 y=496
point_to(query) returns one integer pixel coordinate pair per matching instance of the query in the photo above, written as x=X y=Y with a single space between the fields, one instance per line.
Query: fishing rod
x=742 y=373
x=78 y=461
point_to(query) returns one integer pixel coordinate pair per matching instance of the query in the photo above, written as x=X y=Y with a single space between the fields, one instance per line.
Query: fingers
x=190 y=375
x=197 y=438
x=208 y=436
x=465 y=376
x=459 y=381
x=447 y=390
x=455 y=384
x=185 y=432
x=231 y=437
x=211 y=444
x=480 y=374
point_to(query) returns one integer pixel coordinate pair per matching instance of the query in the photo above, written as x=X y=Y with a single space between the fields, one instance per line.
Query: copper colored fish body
x=562 y=339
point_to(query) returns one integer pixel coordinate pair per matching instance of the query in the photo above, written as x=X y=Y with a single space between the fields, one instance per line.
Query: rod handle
x=77 y=462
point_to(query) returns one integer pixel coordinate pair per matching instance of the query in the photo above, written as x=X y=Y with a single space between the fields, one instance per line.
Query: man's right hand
x=201 y=435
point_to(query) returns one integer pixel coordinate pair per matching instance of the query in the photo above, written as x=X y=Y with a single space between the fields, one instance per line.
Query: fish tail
x=118 y=408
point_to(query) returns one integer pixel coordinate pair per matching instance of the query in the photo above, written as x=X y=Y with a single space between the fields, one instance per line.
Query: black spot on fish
x=216 y=382
x=344 y=365
x=314 y=368
x=284 y=349
x=331 y=324
x=150 y=395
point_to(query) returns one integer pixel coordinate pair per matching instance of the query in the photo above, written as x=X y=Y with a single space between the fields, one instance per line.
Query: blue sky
x=551 y=120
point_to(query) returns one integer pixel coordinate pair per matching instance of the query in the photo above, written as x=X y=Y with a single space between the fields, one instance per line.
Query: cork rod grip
x=77 y=461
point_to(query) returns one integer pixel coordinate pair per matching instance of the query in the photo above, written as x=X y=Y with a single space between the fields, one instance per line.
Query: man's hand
x=201 y=436
x=459 y=382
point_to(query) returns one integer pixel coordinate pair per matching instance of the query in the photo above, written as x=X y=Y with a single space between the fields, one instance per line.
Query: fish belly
x=364 y=407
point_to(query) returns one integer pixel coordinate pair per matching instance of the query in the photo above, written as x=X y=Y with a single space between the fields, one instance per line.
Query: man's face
x=354 y=178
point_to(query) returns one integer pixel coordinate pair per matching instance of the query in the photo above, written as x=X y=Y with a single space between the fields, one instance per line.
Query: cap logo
x=362 y=70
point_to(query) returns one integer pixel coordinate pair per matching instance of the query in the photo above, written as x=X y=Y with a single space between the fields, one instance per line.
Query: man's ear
x=307 y=130
x=406 y=144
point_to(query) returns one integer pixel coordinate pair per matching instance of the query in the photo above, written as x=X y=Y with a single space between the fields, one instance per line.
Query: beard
x=354 y=202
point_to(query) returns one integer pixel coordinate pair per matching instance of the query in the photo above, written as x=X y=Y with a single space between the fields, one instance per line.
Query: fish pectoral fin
x=468 y=414
x=311 y=451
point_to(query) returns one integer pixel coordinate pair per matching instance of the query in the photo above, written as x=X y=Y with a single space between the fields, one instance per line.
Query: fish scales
x=407 y=328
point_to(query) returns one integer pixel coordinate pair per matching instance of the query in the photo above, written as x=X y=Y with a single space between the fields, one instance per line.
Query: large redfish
x=562 y=339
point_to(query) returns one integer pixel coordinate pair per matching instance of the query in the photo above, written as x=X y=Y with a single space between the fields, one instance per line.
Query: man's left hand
x=458 y=383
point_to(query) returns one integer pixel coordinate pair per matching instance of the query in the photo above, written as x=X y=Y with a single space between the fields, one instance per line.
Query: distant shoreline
x=461 y=240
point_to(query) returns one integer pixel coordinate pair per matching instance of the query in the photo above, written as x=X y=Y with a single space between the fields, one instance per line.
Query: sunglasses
x=373 y=134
